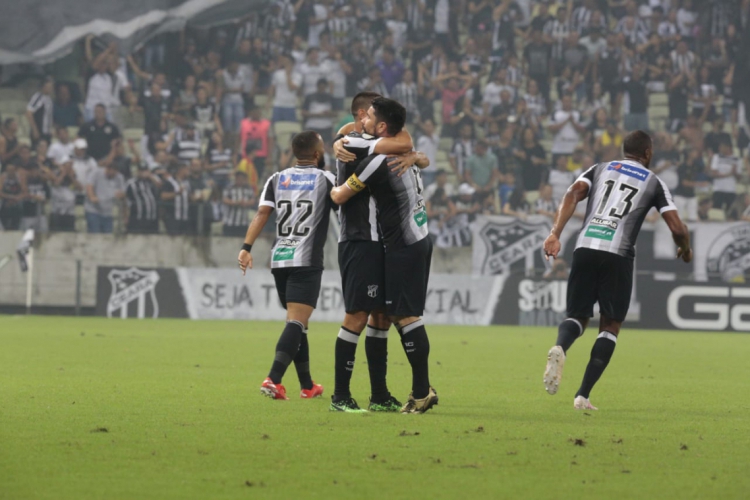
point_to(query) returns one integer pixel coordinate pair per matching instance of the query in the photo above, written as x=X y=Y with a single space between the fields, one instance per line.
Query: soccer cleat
x=348 y=405
x=315 y=392
x=271 y=390
x=389 y=405
x=581 y=403
x=553 y=373
x=421 y=405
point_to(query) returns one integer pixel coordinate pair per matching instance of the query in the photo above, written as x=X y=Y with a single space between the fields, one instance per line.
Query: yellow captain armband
x=355 y=184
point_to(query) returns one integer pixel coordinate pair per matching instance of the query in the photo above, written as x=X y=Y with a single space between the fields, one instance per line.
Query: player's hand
x=245 y=261
x=551 y=247
x=402 y=163
x=685 y=255
x=341 y=153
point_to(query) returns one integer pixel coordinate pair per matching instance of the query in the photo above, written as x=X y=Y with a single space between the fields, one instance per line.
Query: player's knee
x=380 y=320
x=610 y=325
x=355 y=322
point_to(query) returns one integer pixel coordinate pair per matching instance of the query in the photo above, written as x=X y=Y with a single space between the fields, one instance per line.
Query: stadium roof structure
x=41 y=31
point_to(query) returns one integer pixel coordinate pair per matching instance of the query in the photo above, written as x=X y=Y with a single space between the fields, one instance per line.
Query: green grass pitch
x=109 y=409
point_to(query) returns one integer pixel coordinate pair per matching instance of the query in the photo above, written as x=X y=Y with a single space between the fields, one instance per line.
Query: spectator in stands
x=175 y=198
x=238 y=198
x=481 y=170
x=391 y=69
x=441 y=182
x=452 y=87
x=24 y=161
x=37 y=194
x=285 y=85
x=84 y=166
x=318 y=112
x=428 y=143
x=545 y=205
x=704 y=209
x=725 y=170
x=12 y=194
x=185 y=142
x=406 y=92
x=440 y=212
x=231 y=87
x=567 y=128
x=538 y=65
x=119 y=160
x=312 y=71
x=517 y=206
x=373 y=82
x=463 y=147
x=40 y=111
x=745 y=214
x=63 y=188
x=218 y=161
x=63 y=147
x=531 y=159
x=204 y=114
x=100 y=88
x=66 y=112
x=607 y=147
x=99 y=133
x=186 y=97
x=9 y=145
x=200 y=212
x=636 y=113
x=142 y=195
x=689 y=179
x=560 y=178
x=257 y=130
x=104 y=189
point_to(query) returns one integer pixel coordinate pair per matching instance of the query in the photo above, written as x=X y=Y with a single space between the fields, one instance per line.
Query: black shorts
x=407 y=272
x=598 y=276
x=298 y=285
x=362 y=265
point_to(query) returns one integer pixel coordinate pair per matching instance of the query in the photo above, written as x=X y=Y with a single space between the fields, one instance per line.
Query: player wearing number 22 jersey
x=620 y=195
x=402 y=219
x=301 y=197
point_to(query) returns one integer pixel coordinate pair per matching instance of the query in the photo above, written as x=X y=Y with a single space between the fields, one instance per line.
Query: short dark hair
x=390 y=112
x=637 y=143
x=363 y=100
x=305 y=144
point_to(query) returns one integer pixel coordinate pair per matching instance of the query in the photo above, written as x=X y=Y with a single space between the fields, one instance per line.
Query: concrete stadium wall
x=55 y=256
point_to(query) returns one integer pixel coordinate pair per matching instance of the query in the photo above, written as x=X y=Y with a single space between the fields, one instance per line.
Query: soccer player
x=620 y=195
x=361 y=260
x=408 y=249
x=301 y=194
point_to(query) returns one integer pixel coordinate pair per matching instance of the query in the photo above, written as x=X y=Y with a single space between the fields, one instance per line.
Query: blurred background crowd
x=510 y=100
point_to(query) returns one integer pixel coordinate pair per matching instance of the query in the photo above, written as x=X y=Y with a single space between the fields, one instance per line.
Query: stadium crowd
x=510 y=100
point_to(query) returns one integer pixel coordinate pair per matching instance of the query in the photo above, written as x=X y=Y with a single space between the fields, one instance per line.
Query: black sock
x=417 y=348
x=286 y=350
x=567 y=333
x=346 y=348
x=601 y=353
x=376 y=349
x=302 y=363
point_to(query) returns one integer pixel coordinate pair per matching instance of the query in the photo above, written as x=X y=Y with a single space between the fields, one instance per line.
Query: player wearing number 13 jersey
x=402 y=219
x=301 y=197
x=620 y=195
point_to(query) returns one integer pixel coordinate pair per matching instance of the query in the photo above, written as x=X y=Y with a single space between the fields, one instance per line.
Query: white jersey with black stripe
x=621 y=193
x=301 y=196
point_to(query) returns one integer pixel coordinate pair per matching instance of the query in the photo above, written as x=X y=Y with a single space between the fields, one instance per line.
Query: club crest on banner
x=508 y=243
x=729 y=255
x=135 y=290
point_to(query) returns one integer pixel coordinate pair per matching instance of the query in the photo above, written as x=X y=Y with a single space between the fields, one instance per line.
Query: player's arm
x=402 y=163
x=399 y=144
x=576 y=193
x=368 y=170
x=265 y=209
x=680 y=234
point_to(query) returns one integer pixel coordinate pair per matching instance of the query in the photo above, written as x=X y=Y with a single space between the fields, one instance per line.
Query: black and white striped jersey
x=179 y=207
x=186 y=148
x=357 y=217
x=301 y=196
x=237 y=215
x=621 y=193
x=142 y=199
x=41 y=107
x=402 y=216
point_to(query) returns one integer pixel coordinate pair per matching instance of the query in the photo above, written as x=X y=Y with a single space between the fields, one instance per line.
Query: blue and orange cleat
x=273 y=391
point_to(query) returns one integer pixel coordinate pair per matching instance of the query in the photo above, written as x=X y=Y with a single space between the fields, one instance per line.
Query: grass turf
x=94 y=408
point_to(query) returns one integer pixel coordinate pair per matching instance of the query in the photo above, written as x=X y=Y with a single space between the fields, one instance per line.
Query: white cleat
x=553 y=373
x=581 y=403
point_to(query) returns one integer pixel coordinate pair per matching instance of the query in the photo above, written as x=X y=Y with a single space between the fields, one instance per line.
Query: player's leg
x=581 y=296
x=376 y=349
x=346 y=348
x=615 y=288
x=303 y=289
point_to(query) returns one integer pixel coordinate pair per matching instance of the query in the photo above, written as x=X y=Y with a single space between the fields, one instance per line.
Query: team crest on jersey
x=729 y=255
x=297 y=182
x=629 y=170
x=506 y=244
x=133 y=287
x=372 y=291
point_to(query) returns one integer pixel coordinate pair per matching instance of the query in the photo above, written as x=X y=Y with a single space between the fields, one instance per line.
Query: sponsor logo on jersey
x=297 y=182
x=420 y=218
x=629 y=170
x=604 y=222
x=600 y=232
x=729 y=255
x=288 y=243
x=283 y=253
